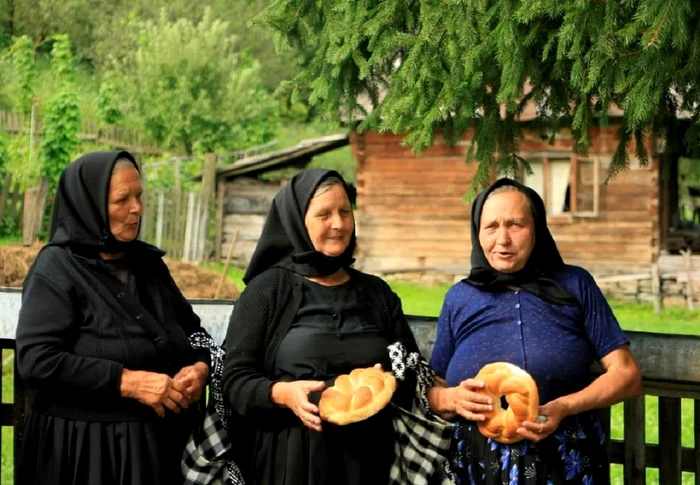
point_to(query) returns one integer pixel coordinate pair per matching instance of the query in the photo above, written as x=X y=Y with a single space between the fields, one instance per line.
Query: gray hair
x=326 y=185
x=123 y=163
x=512 y=188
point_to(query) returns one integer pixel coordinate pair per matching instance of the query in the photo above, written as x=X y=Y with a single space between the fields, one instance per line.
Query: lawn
x=426 y=300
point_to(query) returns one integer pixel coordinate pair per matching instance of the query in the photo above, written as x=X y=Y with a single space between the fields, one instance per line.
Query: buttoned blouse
x=556 y=344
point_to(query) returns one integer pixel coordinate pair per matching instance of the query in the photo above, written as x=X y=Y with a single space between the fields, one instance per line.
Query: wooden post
x=228 y=261
x=189 y=228
x=177 y=209
x=206 y=190
x=656 y=288
x=43 y=199
x=635 y=441
x=690 y=294
x=34 y=204
x=28 y=213
x=220 y=188
x=160 y=221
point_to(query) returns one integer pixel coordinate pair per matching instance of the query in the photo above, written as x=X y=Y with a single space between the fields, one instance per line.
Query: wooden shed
x=245 y=191
x=412 y=216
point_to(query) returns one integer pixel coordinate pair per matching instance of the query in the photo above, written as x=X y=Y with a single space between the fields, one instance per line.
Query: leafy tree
x=61 y=121
x=455 y=65
x=192 y=89
x=42 y=19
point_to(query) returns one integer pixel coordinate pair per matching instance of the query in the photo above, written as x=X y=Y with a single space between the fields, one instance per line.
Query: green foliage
x=25 y=70
x=192 y=89
x=108 y=103
x=61 y=121
x=456 y=65
x=4 y=153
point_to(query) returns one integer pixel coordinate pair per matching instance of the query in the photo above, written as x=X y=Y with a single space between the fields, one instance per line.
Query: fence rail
x=668 y=370
x=91 y=131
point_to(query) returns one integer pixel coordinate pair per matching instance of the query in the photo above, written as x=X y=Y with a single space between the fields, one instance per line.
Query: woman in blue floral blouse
x=521 y=304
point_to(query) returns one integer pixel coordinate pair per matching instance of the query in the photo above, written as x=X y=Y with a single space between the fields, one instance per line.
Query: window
x=585 y=187
x=567 y=185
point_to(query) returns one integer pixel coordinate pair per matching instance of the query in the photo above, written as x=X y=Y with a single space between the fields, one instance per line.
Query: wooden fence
x=11 y=200
x=92 y=131
x=669 y=371
x=171 y=220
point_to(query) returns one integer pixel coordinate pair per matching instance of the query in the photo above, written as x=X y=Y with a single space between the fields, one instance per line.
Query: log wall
x=411 y=214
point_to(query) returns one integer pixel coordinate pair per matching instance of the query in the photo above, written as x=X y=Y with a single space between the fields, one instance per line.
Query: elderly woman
x=304 y=318
x=102 y=339
x=521 y=304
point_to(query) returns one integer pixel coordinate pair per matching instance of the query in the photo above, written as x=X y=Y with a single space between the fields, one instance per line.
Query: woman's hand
x=153 y=389
x=191 y=381
x=469 y=403
x=549 y=417
x=295 y=396
x=463 y=400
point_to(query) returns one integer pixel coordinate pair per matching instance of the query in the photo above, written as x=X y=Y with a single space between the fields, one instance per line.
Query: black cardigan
x=79 y=327
x=262 y=317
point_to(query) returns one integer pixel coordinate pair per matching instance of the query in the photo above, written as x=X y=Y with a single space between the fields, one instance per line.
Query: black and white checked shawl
x=422 y=438
x=204 y=460
x=420 y=447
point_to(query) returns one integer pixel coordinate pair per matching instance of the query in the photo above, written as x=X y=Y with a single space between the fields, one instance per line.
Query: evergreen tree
x=457 y=64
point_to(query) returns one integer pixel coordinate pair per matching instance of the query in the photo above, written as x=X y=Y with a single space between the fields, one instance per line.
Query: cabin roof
x=300 y=154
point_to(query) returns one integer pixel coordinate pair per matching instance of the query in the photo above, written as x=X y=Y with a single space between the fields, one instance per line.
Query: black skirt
x=355 y=454
x=572 y=455
x=60 y=451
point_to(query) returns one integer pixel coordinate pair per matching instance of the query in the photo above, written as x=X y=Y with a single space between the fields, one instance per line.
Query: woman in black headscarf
x=522 y=305
x=304 y=318
x=102 y=340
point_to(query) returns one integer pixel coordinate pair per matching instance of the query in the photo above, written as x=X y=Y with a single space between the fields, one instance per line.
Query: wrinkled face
x=124 y=204
x=329 y=221
x=507 y=231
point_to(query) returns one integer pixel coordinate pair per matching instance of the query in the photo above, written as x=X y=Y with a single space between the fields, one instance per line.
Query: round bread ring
x=520 y=391
x=356 y=396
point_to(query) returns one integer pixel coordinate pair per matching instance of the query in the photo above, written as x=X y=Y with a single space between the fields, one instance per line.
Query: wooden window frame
x=574 y=187
x=573 y=213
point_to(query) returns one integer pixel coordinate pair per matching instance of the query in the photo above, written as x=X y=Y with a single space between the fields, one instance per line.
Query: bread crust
x=520 y=391
x=356 y=396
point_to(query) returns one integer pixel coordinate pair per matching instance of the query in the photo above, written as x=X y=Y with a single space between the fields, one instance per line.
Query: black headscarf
x=545 y=257
x=285 y=242
x=80 y=214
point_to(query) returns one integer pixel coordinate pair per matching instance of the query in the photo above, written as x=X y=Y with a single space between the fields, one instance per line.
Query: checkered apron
x=422 y=438
x=204 y=461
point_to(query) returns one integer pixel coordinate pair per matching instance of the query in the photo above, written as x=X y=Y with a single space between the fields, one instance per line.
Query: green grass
x=6 y=461
x=234 y=274
x=7 y=240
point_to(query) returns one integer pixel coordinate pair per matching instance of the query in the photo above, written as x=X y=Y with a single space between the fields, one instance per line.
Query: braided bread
x=356 y=396
x=520 y=391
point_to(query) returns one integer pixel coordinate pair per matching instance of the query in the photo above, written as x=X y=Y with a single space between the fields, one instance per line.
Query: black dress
x=329 y=336
x=79 y=430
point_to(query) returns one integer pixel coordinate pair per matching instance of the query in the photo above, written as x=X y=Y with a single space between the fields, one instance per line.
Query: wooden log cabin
x=412 y=216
